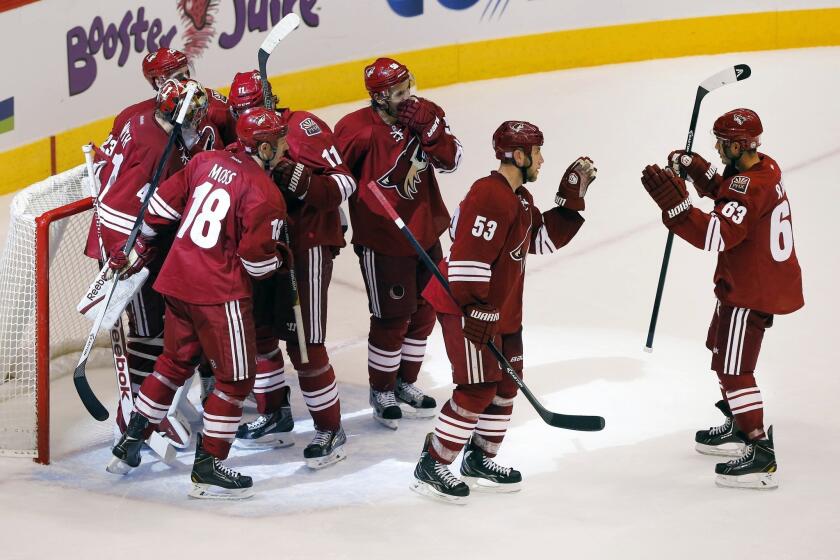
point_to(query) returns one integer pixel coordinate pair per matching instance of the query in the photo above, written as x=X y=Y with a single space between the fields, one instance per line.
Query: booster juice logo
x=198 y=20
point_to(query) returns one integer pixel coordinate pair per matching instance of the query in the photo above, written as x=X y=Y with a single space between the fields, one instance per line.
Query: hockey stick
x=277 y=34
x=92 y=404
x=157 y=442
x=565 y=421
x=728 y=76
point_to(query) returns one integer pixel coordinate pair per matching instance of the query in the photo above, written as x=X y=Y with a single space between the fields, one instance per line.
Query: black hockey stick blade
x=92 y=404
x=573 y=422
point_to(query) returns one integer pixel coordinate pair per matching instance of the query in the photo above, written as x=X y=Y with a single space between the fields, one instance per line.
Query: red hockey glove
x=284 y=254
x=575 y=182
x=668 y=191
x=128 y=265
x=293 y=177
x=480 y=320
x=422 y=117
x=697 y=170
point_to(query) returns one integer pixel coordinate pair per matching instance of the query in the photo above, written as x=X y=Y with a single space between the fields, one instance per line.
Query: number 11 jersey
x=228 y=214
x=751 y=230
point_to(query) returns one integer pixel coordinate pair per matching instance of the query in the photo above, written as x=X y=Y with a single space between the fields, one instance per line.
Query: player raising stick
x=757 y=276
x=397 y=142
x=228 y=215
x=493 y=230
x=314 y=182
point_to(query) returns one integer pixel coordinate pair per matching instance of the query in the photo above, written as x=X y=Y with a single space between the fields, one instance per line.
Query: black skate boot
x=386 y=411
x=267 y=431
x=482 y=474
x=327 y=447
x=214 y=481
x=420 y=405
x=752 y=470
x=721 y=440
x=436 y=481
x=127 y=450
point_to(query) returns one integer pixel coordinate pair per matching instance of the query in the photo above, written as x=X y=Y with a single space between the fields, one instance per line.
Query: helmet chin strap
x=524 y=169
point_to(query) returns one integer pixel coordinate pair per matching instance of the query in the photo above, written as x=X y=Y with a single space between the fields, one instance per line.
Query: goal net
x=43 y=272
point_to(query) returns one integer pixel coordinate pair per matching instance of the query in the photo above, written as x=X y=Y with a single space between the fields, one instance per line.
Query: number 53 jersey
x=228 y=215
x=751 y=230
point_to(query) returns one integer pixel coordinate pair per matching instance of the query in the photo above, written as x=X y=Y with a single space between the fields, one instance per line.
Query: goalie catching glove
x=141 y=255
x=575 y=183
x=668 y=191
x=480 y=322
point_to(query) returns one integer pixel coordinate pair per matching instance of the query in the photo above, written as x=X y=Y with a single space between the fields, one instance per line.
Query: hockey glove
x=423 y=118
x=480 y=322
x=293 y=177
x=141 y=255
x=284 y=255
x=575 y=182
x=696 y=169
x=668 y=191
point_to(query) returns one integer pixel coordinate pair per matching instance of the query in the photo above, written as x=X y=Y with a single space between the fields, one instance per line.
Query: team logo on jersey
x=310 y=127
x=739 y=184
x=404 y=175
x=521 y=250
x=397 y=134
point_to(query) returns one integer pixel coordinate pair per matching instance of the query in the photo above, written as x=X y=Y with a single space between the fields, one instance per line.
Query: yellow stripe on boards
x=495 y=58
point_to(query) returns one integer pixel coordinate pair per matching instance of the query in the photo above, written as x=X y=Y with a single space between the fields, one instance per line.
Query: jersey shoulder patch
x=739 y=184
x=310 y=126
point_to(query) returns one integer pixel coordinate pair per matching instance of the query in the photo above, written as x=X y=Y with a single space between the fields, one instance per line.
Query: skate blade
x=271 y=441
x=210 y=492
x=393 y=424
x=412 y=413
x=428 y=491
x=338 y=454
x=118 y=466
x=485 y=486
x=720 y=450
x=753 y=481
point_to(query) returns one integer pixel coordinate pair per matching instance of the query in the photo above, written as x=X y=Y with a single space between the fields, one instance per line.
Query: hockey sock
x=141 y=355
x=414 y=344
x=384 y=351
x=270 y=389
x=457 y=420
x=745 y=401
x=154 y=398
x=492 y=425
x=318 y=386
x=222 y=414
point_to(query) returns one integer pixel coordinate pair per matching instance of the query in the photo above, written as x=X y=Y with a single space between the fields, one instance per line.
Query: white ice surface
x=635 y=490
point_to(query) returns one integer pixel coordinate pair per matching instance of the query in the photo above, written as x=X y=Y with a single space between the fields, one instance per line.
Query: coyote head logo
x=404 y=175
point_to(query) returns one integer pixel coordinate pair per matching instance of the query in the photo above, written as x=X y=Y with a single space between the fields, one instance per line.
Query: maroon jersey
x=132 y=154
x=230 y=215
x=392 y=157
x=130 y=111
x=492 y=232
x=218 y=115
x=751 y=229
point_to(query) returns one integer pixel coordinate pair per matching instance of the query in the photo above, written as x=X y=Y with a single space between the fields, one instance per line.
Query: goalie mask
x=171 y=96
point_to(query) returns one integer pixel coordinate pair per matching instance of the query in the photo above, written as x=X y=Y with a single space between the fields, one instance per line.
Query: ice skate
x=720 y=440
x=214 y=481
x=435 y=480
x=754 y=469
x=267 y=431
x=326 y=448
x=386 y=411
x=413 y=402
x=482 y=474
x=127 y=450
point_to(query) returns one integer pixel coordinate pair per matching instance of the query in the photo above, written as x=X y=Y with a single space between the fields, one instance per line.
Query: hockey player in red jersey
x=314 y=182
x=215 y=131
x=397 y=142
x=127 y=163
x=227 y=214
x=757 y=277
x=493 y=230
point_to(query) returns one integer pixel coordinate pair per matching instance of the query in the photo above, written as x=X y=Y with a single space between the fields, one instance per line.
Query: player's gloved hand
x=668 y=191
x=293 y=177
x=575 y=182
x=696 y=169
x=423 y=118
x=284 y=254
x=141 y=255
x=480 y=322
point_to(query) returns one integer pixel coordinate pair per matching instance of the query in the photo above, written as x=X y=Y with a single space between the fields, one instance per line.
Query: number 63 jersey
x=228 y=214
x=751 y=230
